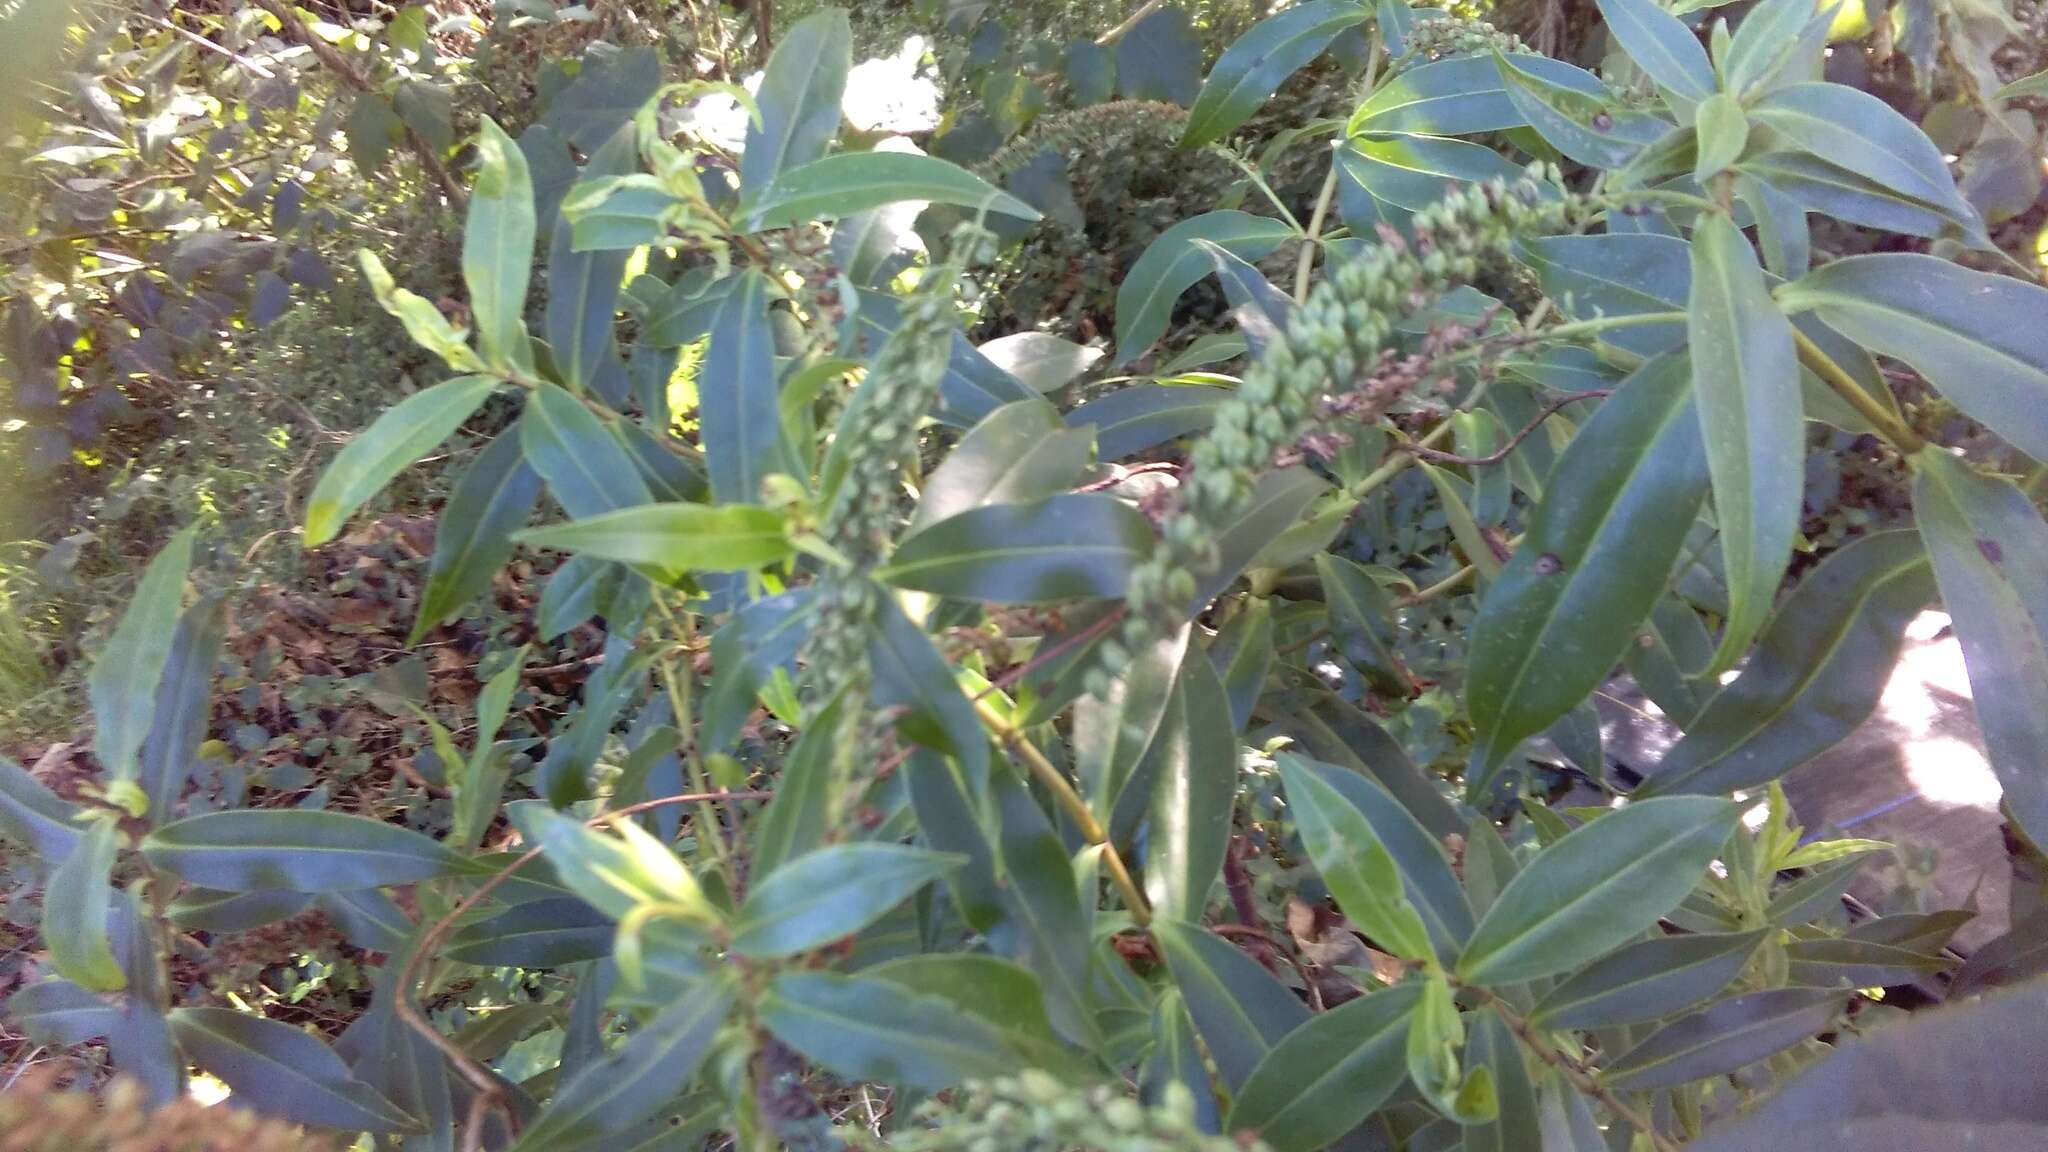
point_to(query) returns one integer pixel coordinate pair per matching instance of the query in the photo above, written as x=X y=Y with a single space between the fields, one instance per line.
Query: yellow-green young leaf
x=1974 y=335
x=1254 y=67
x=252 y=849
x=497 y=250
x=1746 y=378
x=1068 y=547
x=1824 y=851
x=849 y=182
x=1723 y=132
x=123 y=680
x=832 y=892
x=1594 y=890
x=1328 y=1075
x=616 y=1094
x=1820 y=666
x=613 y=873
x=405 y=432
x=1356 y=866
x=423 y=322
x=75 y=907
x=1990 y=553
x=1436 y=1034
x=1595 y=559
x=675 y=537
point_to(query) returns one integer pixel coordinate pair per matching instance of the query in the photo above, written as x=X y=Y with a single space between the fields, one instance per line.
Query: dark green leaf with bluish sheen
x=1592 y=891
x=1325 y=1077
x=1160 y=59
x=1819 y=669
x=1141 y=416
x=1746 y=384
x=1515 y=1126
x=1662 y=46
x=33 y=817
x=1040 y=897
x=799 y=98
x=849 y=182
x=583 y=286
x=473 y=539
x=1176 y=1058
x=1258 y=62
x=545 y=933
x=1192 y=795
x=1592 y=129
x=1240 y=1009
x=124 y=677
x=1857 y=964
x=1856 y=131
x=1172 y=264
x=1425 y=870
x=864 y=1028
x=737 y=394
x=59 y=1013
x=1723 y=1037
x=1647 y=980
x=1243 y=655
x=205 y=910
x=183 y=706
x=1019 y=453
x=283 y=1071
x=1069 y=547
x=1990 y=552
x=497 y=249
x=1462 y=95
x=1592 y=564
x=830 y=893
x=657 y=1062
x=569 y=446
x=250 y=849
x=1356 y=866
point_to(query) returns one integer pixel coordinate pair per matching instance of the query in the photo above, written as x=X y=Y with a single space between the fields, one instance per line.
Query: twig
x=1040 y=659
x=1056 y=782
x=210 y=46
x=332 y=59
x=1580 y=1076
x=1132 y=21
x=1495 y=457
x=1889 y=426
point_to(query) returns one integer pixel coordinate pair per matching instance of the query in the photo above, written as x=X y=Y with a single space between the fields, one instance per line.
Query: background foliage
x=951 y=575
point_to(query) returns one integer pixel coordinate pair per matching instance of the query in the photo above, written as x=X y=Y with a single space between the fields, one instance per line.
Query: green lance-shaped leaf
x=1239 y=1008
x=1662 y=46
x=251 y=849
x=1617 y=274
x=1258 y=62
x=863 y=1028
x=1648 y=980
x=1141 y=416
x=1043 y=362
x=1039 y=896
x=849 y=182
x=1020 y=453
x=1723 y=131
x=1357 y=867
x=33 y=817
x=1176 y=1058
x=1404 y=173
x=578 y=458
x=1192 y=795
x=832 y=892
x=1071 y=546
x=1592 y=564
x=676 y=537
x=544 y=933
x=473 y=538
x=1990 y=553
x=1853 y=130
x=1746 y=380
x=1243 y=655
x=1766 y=43
x=1595 y=130
x=59 y=1013
x=1462 y=95
x=1362 y=623
x=1325 y=1077
x=1597 y=888
x=1113 y=731
x=737 y=394
x=1857 y=964
x=796 y=818
x=1975 y=335
x=282 y=1071
x=405 y=432
x=1516 y=1124
x=799 y=98
x=615 y=874
x=1818 y=672
x=75 y=907
x=1171 y=264
x=1723 y=1037
x=654 y=1066
x=497 y=250
x=1898 y=1086
x=124 y=676
x=184 y=698
x=583 y=286
x=1425 y=870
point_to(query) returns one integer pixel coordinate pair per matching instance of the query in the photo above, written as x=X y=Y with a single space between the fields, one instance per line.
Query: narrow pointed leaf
x=1239 y=1008
x=473 y=538
x=1990 y=552
x=1257 y=63
x=250 y=849
x=497 y=249
x=282 y=1071
x=870 y=1029
x=1357 y=867
x=1461 y=95
x=1594 y=561
x=33 y=817
x=737 y=394
x=832 y=892
x=675 y=537
x=1723 y=1037
x=799 y=98
x=1647 y=980
x=1192 y=796
x=654 y=1066
x=1857 y=964
x=1596 y=888
x=1019 y=453
x=1068 y=547
x=1666 y=50
x=405 y=432
x=1171 y=264
x=59 y=1013
x=1325 y=1077
x=583 y=287
x=75 y=907
x=850 y=182
x=1819 y=669
x=124 y=676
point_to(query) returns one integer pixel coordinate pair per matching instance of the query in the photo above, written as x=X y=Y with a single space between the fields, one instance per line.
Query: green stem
x=1117 y=33
x=1055 y=781
x=711 y=831
x=1834 y=376
x=1577 y=1073
x=1305 y=265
